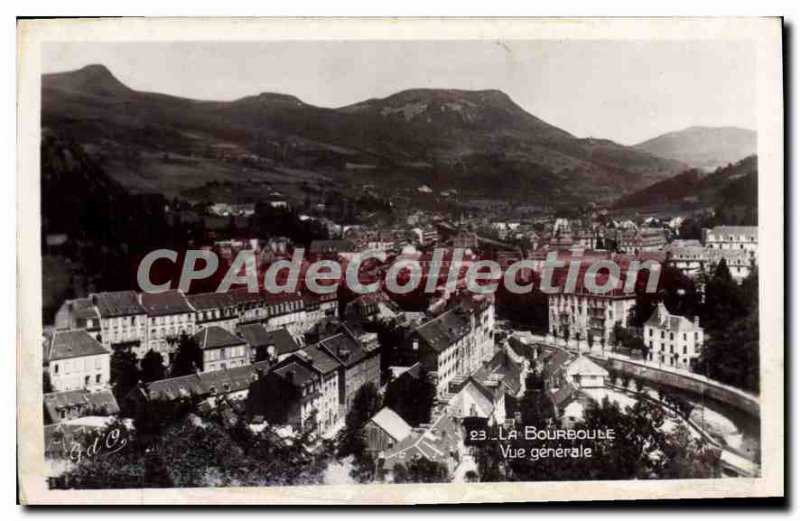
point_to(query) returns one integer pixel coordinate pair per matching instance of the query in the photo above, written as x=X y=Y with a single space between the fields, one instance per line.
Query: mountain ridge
x=477 y=141
x=703 y=146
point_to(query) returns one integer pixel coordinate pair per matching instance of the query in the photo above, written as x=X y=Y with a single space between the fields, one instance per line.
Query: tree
x=124 y=373
x=730 y=353
x=565 y=332
x=412 y=398
x=366 y=403
x=420 y=470
x=152 y=367
x=188 y=357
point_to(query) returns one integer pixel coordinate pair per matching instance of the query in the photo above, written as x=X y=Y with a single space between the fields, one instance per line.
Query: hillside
x=732 y=189
x=479 y=142
x=703 y=147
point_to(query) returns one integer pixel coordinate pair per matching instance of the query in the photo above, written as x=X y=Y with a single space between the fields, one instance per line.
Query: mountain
x=479 y=142
x=703 y=147
x=732 y=190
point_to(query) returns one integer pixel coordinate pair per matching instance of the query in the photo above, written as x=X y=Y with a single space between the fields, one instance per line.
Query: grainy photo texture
x=341 y=262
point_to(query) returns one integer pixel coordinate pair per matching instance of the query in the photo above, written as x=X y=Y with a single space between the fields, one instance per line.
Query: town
x=382 y=387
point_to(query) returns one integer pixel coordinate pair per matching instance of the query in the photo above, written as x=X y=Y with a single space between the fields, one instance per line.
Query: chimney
x=697 y=321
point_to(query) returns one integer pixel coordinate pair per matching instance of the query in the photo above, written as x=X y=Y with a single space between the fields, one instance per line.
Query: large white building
x=582 y=313
x=74 y=359
x=169 y=316
x=743 y=238
x=672 y=340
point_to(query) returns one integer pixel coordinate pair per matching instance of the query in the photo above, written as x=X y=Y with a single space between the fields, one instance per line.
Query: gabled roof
x=204 y=384
x=434 y=444
x=167 y=303
x=444 y=330
x=556 y=361
x=92 y=402
x=206 y=301
x=392 y=424
x=118 y=304
x=74 y=343
x=662 y=319
x=83 y=308
x=344 y=348
x=256 y=335
x=562 y=395
x=583 y=366
x=294 y=373
x=214 y=337
x=319 y=359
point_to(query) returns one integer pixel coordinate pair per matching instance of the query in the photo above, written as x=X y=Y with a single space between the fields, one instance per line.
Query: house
x=328 y=407
x=479 y=398
x=359 y=364
x=447 y=348
x=79 y=313
x=441 y=442
x=384 y=430
x=74 y=359
x=672 y=340
x=123 y=320
x=287 y=395
x=267 y=345
x=582 y=373
x=68 y=405
x=221 y=349
x=169 y=315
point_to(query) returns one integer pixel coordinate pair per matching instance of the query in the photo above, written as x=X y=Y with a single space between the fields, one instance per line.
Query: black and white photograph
x=464 y=257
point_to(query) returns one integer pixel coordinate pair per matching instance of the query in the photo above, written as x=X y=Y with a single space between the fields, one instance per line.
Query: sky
x=627 y=91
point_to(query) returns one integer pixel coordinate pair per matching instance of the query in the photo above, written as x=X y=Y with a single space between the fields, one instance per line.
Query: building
x=75 y=360
x=214 y=309
x=447 y=347
x=643 y=239
x=221 y=349
x=169 y=316
x=328 y=407
x=272 y=346
x=693 y=260
x=582 y=313
x=79 y=313
x=744 y=238
x=582 y=373
x=287 y=395
x=69 y=405
x=231 y=384
x=123 y=320
x=441 y=442
x=359 y=364
x=672 y=340
x=384 y=430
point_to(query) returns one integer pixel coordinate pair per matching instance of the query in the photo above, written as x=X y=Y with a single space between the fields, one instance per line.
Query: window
x=97 y=379
x=86 y=380
x=55 y=368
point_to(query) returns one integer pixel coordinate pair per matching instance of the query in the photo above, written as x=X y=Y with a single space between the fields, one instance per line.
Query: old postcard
x=399 y=261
